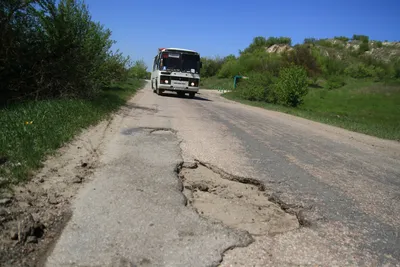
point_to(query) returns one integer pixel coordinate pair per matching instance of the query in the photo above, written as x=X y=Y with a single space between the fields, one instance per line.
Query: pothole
x=239 y=203
x=160 y=131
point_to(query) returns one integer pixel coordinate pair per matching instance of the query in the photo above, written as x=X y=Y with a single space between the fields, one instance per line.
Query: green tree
x=53 y=49
x=211 y=66
x=139 y=70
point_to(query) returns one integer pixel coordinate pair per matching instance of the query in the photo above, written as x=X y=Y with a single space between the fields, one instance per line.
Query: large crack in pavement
x=134 y=209
x=239 y=203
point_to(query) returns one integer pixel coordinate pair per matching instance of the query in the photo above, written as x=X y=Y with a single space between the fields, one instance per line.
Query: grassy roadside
x=361 y=106
x=215 y=83
x=32 y=130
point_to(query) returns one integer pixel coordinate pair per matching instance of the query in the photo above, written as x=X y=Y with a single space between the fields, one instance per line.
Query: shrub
x=342 y=38
x=252 y=62
x=139 y=70
x=260 y=43
x=396 y=69
x=229 y=69
x=259 y=61
x=259 y=87
x=273 y=63
x=359 y=70
x=291 y=86
x=364 y=47
x=310 y=41
x=362 y=38
x=211 y=66
x=278 y=40
x=324 y=43
x=379 y=44
x=335 y=82
x=331 y=66
x=302 y=56
x=380 y=73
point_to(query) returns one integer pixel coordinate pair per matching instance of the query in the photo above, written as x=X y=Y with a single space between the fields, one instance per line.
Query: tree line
x=52 y=49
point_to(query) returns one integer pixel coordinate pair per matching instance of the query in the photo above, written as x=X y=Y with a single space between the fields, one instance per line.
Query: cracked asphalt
x=133 y=211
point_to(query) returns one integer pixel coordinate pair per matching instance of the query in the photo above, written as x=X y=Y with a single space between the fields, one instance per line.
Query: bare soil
x=33 y=214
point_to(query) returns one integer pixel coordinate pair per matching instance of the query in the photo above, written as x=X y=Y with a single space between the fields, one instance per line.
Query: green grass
x=24 y=146
x=215 y=83
x=361 y=106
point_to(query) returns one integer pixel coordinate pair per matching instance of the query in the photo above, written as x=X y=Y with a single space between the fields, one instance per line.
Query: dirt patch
x=33 y=214
x=236 y=202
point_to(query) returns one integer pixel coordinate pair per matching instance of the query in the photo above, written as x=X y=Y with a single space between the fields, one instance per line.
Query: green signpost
x=236 y=79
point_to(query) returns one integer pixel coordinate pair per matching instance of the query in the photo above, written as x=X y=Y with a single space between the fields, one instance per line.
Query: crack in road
x=237 y=202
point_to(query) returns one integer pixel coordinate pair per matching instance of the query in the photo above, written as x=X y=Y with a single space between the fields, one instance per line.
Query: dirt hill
x=385 y=51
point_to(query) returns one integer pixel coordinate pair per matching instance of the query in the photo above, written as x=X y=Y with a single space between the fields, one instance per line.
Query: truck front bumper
x=167 y=87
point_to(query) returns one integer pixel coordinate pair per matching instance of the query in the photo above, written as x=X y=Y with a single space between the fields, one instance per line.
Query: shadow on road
x=185 y=96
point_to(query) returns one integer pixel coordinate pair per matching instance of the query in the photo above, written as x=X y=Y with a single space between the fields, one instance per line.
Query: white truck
x=177 y=70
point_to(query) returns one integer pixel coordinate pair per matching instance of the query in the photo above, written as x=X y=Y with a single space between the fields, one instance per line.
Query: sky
x=221 y=27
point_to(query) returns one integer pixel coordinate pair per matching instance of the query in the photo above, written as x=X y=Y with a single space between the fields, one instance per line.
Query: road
x=269 y=189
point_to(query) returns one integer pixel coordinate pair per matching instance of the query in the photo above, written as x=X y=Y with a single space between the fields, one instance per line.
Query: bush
x=260 y=43
x=229 y=69
x=259 y=87
x=380 y=73
x=335 y=82
x=139 y=70
x=360 y=70
x=291 y=86
x=331 y=66
x=273 y=63
x=342 y=38
x=324 y=43
x=364 y=47
x=211 y=66
x=302 y=56
x=379 y=44
x=310 y=41
x=396 y=69
x=259 y=61
x=278 y=40
x=362 y=38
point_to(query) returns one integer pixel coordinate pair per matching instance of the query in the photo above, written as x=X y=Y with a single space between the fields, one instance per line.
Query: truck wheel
x=158 y=90
x=152 y=85
x=191 y=95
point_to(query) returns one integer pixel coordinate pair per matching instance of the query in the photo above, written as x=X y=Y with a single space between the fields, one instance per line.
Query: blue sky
x=223 y=27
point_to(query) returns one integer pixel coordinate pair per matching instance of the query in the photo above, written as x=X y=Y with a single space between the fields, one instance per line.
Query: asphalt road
x=346 y=184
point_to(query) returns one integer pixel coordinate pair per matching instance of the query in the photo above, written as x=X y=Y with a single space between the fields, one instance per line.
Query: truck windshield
x=171 y=63
x=189 y=62
x=180 y=62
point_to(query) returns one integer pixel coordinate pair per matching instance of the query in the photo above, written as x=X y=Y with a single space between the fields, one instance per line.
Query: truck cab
x=176 y=70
